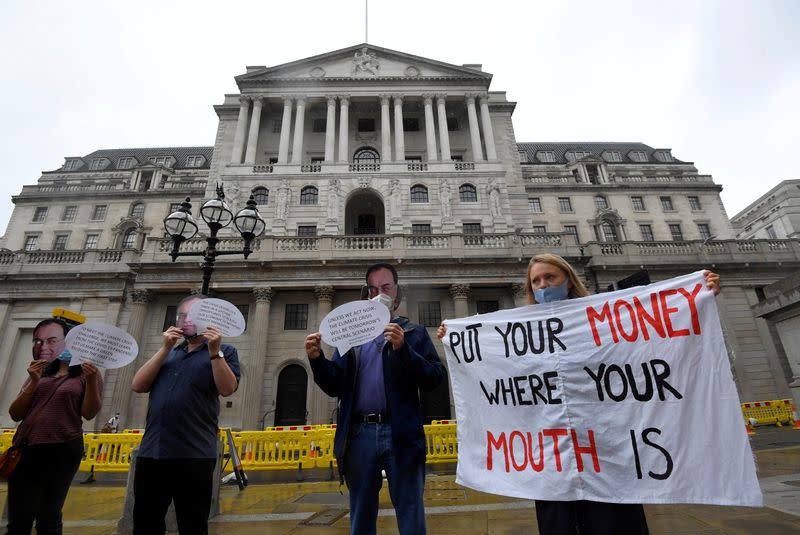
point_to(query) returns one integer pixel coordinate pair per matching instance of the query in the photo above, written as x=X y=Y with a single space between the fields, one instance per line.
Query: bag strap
x=35 y=415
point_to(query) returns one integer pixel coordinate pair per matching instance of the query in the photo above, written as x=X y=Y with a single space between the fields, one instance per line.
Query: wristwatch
x=219 y=355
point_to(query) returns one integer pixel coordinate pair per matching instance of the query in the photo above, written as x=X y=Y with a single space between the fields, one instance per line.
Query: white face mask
x=383 y=299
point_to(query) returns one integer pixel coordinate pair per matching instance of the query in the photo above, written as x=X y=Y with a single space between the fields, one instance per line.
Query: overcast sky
x=717 y=82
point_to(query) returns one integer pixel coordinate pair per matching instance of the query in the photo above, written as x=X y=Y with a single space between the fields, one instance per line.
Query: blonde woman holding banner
x=551 y=278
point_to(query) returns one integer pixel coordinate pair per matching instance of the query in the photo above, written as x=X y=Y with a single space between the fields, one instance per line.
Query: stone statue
x=365 y=62
x=232 y=194
x=282 y=204
x=494 y=202
x=395 y=198
x=445 y=196
x=333 y=199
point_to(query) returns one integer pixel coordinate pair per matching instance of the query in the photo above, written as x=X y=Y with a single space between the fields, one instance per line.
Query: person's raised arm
x=94 y=391
x=143 y=380
x=712 y=281
x=224 y=378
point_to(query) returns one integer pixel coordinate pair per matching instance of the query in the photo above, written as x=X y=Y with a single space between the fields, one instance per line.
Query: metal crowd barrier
x=775 y=412
x=276 y=448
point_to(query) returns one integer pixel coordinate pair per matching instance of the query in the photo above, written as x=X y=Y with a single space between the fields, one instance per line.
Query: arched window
x=261 y=195
x=129 y=239
x=609 y=232
x=468 y=193
x=137 y=209
x=366 y=155
x=600 y=202
x=419 y=193
x=309 y=195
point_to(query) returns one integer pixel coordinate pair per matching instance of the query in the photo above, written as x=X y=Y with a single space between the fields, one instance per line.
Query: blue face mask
x=65 y=356
x=552 y=293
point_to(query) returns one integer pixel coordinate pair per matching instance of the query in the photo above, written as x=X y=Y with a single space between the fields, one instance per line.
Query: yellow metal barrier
x=442 y=443
x=774 y=412
x=108 y=452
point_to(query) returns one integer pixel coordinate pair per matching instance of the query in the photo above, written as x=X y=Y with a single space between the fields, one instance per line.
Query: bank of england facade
x=357 y=156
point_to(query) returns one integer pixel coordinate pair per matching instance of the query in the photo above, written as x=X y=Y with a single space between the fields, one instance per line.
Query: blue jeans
x=369 y=452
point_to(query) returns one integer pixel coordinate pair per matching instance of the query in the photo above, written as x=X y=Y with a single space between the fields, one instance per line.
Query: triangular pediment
x=363 y=62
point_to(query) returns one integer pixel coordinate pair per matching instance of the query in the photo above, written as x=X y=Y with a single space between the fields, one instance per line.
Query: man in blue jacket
x=379 y=425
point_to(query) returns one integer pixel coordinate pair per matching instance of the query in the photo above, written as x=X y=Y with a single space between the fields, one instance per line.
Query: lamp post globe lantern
x=180 y=226
x=249 y=223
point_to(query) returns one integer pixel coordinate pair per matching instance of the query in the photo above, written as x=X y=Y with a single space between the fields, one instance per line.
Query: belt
x=373 y=418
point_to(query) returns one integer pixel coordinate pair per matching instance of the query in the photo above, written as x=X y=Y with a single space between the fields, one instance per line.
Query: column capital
x=141 y=296
x=264 y=295
x=398 y=98
x=460 y=291
x=258 y=100
x=384 y=98
x=441 y=96
x=300 y=100
x=324 y=292
x=331 y=100
x=287 y=99
x=518 y=289
x=428 y=98
x=344 y=100
x=484 y=95
x=244 y=100
x=470 y=97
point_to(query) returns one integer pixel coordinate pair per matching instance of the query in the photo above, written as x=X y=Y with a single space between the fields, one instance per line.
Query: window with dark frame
x=137 y=209
x=40 y=214
x=771 y=234
x=535 y=204
x=31 y=243
x=430 y=313
x=609 y=232
x=419 y=193
x=261 y=196
x=276 y=126
x=694 y=203
x=309 y=195
x=129 y=239
x=421 y=228
x=676 y=232
x=91 y=241
x=638 y=203
x=69 y=213
x=600 y=202
x=467 y=193
x=99 y=212
x=564 y=204
x=704 y=230
x=666 y=204
x=296 y=317
x=647 y=232
x=485 y=307
x=60 y=243
x=572 y=230
x=539 y=229
x=306 y=230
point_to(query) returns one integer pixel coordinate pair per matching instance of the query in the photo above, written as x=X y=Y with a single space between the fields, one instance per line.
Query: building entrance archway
x=290 y=403
x=364 y=214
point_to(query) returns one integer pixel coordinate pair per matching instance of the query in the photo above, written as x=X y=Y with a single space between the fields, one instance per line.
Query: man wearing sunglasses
x=379 y=426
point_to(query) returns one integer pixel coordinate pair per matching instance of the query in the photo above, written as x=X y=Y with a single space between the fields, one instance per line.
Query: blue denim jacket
x=416 y=366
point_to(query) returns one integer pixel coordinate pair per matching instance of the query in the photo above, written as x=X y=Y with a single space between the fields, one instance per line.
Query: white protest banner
x=623 y=397
x=219 y=313
x=353 y=324
x=101 y=344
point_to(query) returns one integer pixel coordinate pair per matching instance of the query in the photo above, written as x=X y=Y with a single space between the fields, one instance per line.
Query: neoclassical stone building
x=355 y=156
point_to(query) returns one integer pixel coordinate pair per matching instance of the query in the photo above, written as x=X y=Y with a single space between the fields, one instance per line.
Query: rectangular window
x=174 y=207
x=159 y=160
x=306 y=230
x=704 y=230
x=539 y=229
x=694 y=203
x=666 y=204
x=40 y=214
x=169 y=318
x=318 y=125
x=453 y=125
x=273 y=160
x=564 y=204
x=69 y=165
x=31 y=243
x=60 y=243
x=91 y=241
x=96 y=164
x=276 y=126
x=366 y=125
x=430 y=313
x=296 y=317
x=410 y=124
x=638 y=156
x=473 y=233
x=771 y=234
x=638 y=203
x=484 y=307
x=457 y=157
x=647 y=232
x=420 y=228
x=572 y=230
x=613 y=156
x=194 y=161
x=676 y=232
x=535 y=204
x=601 y=202
x=99 y=212
x=125 y=163
x=69 y=213
x=546 y=156
x=472 y=228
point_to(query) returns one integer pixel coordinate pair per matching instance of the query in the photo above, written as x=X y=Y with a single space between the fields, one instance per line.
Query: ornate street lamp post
x=181 y=226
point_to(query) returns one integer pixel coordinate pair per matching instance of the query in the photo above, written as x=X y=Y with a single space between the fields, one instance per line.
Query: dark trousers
x=39 y=485
x=187 y=482
x=585 y=517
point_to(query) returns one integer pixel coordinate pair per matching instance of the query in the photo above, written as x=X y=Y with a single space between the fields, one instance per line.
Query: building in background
x=774 y=215
x=357 y=156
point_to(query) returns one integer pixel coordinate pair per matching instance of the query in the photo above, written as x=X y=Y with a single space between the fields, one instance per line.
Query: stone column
x=252 y=138
x=444 y=134
x=6 y=304
x=399 y=139
x=474 y=133
x=330 y=129
x=344 y=128
x=386 y=130
x=520 y=299
x=283 y=147
x=320 y=401
x=113 y=309
x=460 y=295
x=299 y=122
x=122 y=387
x=241 y=124
x=488 y=133
x=430 y=128
x=253 y=379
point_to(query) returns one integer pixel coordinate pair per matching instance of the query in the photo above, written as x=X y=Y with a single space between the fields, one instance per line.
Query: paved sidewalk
x=318 y=507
